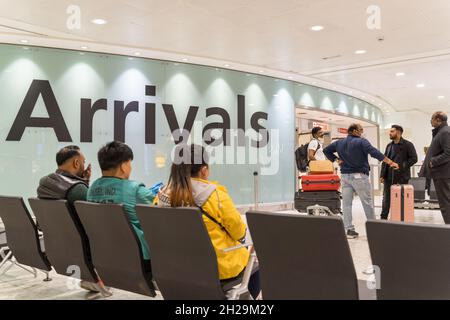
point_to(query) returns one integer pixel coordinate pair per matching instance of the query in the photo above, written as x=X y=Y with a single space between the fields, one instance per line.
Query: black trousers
x=387 y=195
x=443 y=194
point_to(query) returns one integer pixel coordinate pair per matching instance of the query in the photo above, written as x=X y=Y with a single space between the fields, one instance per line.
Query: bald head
x=438 y=119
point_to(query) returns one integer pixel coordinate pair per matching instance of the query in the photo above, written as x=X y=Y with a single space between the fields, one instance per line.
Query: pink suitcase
x=402 y=203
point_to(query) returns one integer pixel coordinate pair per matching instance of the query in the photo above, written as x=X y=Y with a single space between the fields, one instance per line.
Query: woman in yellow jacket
x=188 y=186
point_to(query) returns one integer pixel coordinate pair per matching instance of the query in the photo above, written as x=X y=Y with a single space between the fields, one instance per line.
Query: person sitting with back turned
x=353 y=154
x=71 y=179
x=188 y=186
x=70 y=182
x=115 y=187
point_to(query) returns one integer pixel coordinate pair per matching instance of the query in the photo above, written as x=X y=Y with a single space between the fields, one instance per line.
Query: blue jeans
x=359 y=183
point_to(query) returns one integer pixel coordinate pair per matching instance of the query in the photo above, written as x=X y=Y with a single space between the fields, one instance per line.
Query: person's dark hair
x=315 y=130
x=190 y=159
x=66 y=154
x=398 y=128
x=440 y=116
x=113 y=155
x=353 y=127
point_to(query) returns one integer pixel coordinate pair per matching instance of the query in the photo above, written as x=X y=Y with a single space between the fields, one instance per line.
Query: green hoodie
x=129 y=194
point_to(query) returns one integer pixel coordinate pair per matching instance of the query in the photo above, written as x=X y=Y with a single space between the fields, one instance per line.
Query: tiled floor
x=19 y=284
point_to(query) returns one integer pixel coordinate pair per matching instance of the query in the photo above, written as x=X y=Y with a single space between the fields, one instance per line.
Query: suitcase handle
x=307 y=182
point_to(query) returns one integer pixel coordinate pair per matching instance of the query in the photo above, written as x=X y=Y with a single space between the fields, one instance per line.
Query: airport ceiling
x=410 y=48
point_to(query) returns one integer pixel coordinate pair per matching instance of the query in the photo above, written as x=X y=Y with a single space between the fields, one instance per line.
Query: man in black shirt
x=401 y=151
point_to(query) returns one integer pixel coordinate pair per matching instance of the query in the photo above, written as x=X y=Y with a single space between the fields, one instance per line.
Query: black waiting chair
x=23 y=242
x=66 y=243
x=304 y=258
x=116 y=249
x=413 y=260
x=184 y=261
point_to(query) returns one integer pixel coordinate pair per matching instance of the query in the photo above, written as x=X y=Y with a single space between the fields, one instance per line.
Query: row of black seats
x=300 y=257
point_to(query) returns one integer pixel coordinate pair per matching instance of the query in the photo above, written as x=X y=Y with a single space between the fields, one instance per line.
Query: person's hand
x=382 y=180
x=431 y=164
x=394 y=166
x=340 y=162
x=87 y=173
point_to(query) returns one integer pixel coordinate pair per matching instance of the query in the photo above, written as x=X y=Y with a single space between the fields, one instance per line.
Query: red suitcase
x=402 y=203
x=321 y=182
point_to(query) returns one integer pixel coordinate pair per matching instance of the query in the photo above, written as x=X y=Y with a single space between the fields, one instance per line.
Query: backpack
x=301 y=157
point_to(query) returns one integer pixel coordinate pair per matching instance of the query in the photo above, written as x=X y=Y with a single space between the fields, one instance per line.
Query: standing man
x=401 y=151
x=353 y=154
x=315 y=146
x=437 y=162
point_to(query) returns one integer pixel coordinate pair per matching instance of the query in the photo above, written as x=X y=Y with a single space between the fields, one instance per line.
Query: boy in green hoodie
x=115 y=187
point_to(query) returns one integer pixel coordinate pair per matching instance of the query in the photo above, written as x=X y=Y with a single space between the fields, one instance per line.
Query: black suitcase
x=419 y=188
x=329 y=199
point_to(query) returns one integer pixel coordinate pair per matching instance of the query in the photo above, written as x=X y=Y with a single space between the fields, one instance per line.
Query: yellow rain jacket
x=214 y=199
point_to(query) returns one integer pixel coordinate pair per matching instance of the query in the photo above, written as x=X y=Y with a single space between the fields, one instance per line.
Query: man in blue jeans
x=353 y=154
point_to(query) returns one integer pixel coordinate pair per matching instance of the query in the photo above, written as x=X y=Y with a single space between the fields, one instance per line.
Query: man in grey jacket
x=437 y=162
x=71 y=179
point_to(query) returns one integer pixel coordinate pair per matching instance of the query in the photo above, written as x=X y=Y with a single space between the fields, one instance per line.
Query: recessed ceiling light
x=130 y=58
x=317 y=28
x=360 y=51
x=84 y=47
x=137 y=53
x=260 y=71
x=24 y=41
x=291 y=77
x=400 y=74
x=441 y=97
x=226 y=65
x=185 y=59
x=99 y=21
x=421 y=85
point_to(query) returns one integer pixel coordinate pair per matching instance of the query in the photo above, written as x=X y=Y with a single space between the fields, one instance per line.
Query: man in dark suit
x=437 y=162
x=401 y=151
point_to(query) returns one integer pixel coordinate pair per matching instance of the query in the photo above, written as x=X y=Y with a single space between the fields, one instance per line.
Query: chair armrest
x=244 y=245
